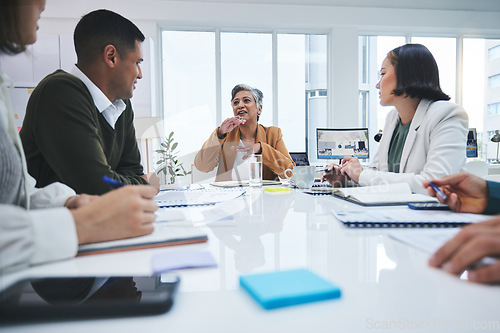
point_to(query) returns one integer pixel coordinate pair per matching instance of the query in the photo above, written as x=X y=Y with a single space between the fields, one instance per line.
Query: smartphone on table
x=63 y=298
x=428 y=206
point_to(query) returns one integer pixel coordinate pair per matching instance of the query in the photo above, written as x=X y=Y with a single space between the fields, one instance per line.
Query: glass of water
x=255 y=172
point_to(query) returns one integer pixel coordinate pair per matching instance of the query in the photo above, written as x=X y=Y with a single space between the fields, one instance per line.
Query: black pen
x=112 y=182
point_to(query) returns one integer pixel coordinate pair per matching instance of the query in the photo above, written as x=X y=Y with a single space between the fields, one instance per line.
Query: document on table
x=174 y=260
x=405 y=218
x=431 y=240
x=426 y=240
x=235 y=183
x=202 y=197
x=377 y=195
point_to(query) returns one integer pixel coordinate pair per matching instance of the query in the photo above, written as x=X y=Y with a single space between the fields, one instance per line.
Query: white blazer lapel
x=417 y=120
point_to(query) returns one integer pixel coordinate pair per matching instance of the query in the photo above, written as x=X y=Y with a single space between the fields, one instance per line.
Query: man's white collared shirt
x=110 y=110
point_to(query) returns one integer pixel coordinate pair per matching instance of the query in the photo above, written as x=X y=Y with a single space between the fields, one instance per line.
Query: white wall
x=344 y=24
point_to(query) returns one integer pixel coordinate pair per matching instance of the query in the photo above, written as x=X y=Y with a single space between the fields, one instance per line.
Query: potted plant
x=168 y=164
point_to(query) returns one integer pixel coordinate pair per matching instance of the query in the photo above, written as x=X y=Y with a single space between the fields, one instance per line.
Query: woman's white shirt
x=241 y=168
x=43 y=233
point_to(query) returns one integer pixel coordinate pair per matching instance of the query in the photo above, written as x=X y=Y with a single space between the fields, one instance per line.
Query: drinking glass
x=255 y=170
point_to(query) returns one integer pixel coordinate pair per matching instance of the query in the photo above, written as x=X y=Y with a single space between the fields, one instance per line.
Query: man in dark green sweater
x=79 y=125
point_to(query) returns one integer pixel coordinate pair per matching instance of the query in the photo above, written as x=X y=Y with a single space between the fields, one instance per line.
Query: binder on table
x=406 y=218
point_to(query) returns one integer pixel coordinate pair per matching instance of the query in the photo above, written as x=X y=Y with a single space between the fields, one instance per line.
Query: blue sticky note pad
x=284 y=288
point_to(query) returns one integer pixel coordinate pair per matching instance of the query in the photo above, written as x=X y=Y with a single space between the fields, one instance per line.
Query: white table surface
x=384 y=283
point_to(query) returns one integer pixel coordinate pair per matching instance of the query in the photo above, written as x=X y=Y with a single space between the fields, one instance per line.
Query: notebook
x=202 y=197
x=236 y=183
x=290 y=287
x=406 y=218
x=161 y=236
x=377 y=195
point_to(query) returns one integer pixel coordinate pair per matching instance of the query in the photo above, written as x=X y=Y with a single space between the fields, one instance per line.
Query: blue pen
x=327 y=170
x=112 y=182
x=438 y=191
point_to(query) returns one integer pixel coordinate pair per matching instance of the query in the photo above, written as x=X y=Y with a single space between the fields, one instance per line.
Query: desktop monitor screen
x=471 y=149
x=340 y=142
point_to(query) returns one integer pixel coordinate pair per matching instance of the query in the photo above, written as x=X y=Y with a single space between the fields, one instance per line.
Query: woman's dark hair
x=417 y=73
x=103 y=27
x=9 y=28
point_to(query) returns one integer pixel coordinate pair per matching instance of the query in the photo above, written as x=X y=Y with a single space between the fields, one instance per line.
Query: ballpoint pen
x=438 y=191
x=112 y=182
x=328 y=170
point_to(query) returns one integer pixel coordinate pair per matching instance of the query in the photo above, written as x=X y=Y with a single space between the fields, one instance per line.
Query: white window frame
x=218 y=79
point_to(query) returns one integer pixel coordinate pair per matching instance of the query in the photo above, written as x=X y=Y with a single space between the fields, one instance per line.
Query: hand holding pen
x=113 y=182
x=462 y=192
x=333 y=175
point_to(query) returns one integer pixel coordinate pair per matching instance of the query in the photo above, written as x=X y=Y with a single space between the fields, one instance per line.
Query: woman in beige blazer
x=238 y=137
x=424 y=136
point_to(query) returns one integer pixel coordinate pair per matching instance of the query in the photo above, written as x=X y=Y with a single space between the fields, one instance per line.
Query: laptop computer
x=300 y=158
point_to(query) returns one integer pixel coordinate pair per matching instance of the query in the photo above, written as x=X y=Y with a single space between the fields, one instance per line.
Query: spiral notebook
x=201 y=197
x=406 y=218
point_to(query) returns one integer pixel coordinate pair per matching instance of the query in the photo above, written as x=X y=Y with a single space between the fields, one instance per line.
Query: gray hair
x=256 y=93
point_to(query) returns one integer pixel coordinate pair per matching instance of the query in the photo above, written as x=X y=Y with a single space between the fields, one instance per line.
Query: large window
x=201 y=68
x=493 y=109
x=494 y=53
x=494 y=81
x=189 y=92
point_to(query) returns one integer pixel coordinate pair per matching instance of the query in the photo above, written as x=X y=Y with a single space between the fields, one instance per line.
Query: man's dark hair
x=417 y=73
x=10 y=42
x=103 y=27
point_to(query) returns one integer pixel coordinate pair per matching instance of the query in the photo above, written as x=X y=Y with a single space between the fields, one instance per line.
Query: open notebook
x=378 y=195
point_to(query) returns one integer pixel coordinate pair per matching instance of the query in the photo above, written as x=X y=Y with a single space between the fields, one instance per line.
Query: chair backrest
x=478 y=168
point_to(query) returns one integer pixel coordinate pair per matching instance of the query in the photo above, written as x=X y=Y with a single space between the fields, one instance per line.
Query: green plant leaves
x=168 y=162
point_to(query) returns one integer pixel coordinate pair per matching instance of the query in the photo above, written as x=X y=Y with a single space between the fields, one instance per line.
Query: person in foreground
x=467 y=193
x=79 y=125
x=424 y=136
x=238 y=137
x=46 y=224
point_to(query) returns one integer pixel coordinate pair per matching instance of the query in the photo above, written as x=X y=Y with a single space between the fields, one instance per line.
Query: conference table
x=386 y=285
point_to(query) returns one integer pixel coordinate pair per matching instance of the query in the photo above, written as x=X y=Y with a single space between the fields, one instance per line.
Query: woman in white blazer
x=424 y=136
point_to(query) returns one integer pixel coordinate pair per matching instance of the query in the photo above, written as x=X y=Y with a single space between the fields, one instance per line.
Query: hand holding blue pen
x=438 y=190
x=112 y=182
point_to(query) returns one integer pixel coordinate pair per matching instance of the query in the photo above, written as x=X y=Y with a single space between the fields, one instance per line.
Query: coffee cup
x=301 y=176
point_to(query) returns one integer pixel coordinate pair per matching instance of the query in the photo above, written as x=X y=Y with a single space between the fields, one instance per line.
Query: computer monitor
x=333 y=143
x=300 y=158
x=471 y=149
